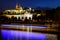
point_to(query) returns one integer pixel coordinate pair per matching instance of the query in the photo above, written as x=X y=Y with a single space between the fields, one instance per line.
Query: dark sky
x=4 y=4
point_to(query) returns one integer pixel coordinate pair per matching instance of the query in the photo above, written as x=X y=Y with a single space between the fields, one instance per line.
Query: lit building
x=18 y=12
x=18 y=9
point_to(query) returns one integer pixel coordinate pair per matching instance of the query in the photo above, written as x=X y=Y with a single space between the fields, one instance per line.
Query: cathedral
x=18 y=12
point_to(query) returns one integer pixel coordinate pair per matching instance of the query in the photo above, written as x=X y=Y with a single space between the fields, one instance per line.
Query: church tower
x=18 y=7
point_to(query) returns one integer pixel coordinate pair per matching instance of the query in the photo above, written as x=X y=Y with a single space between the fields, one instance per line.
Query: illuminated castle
x=18 y=12
x=18 y=9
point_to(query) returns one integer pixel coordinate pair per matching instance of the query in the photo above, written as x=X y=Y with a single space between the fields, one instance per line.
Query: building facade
x=18 y=12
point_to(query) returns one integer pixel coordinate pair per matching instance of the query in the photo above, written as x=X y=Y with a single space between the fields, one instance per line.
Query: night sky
x=7 y=4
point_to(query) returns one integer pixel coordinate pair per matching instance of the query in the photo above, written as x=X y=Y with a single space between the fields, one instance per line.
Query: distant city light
x=38 y=14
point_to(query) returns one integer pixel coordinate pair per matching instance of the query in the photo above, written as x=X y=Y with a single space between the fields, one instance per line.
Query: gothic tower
x=18 y=7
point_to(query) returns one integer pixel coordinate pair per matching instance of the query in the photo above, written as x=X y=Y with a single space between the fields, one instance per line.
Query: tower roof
x=17 y=6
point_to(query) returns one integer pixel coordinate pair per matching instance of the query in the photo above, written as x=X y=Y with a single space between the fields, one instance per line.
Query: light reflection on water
x=11 y=35
x=22 y=35
x=25 y=26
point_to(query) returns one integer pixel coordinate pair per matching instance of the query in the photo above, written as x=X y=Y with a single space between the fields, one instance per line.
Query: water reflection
x=18 y=35
x=23 y=25
x=25 y=35
x=21 y=35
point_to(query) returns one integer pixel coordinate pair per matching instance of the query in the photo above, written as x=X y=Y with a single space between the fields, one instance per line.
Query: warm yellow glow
x=18 y=7
x=17 y=10
x=14 y=11
x=38 y=14
x=20 y=13
x=24 y=16
x=23 y=27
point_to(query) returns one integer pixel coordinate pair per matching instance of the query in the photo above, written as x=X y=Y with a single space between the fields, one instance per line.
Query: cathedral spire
x=17 y=6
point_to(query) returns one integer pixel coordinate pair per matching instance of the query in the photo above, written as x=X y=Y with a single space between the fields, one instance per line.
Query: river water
x=26 y=35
